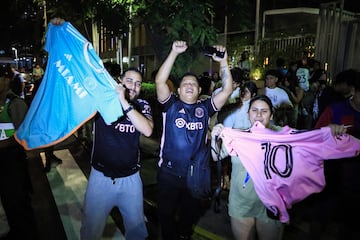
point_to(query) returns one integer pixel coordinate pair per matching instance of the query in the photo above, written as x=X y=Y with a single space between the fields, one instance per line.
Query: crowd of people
x=194 y=116
x=302 y=100
x=299 y=96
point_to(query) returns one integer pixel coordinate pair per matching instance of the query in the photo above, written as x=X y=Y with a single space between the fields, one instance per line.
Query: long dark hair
x=251 y=86
x=231 y=107
x=263 y=98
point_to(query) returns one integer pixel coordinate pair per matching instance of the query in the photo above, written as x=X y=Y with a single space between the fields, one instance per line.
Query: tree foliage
x=188 y=20
x=113 y=15
x=78 y=12
x=165 y=21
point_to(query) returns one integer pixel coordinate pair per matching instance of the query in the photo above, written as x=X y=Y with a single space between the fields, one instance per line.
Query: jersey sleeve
x=145 y=108
x=335 y=147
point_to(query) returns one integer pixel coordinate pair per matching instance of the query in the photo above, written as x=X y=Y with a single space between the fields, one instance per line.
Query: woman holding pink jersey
x=249 y=216
x=247 y=212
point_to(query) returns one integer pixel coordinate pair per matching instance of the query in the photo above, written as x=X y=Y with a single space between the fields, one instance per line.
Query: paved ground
x=53 y=215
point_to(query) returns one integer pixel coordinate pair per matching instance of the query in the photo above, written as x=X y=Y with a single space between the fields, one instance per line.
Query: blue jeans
x=102 y=194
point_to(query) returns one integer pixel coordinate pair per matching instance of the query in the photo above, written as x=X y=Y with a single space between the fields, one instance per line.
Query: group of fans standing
x=305 y=98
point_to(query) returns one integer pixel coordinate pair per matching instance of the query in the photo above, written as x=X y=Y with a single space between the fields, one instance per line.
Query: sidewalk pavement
x=216 y=225
x=212 y=226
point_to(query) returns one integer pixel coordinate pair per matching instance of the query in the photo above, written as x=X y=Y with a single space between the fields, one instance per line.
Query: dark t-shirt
x=116 y=146
x=16 y=84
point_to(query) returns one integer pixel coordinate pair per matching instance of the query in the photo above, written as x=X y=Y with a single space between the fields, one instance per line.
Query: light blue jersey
x=75 y=86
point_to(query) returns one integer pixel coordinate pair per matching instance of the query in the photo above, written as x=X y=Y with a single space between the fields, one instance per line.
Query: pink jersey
x=286 y=166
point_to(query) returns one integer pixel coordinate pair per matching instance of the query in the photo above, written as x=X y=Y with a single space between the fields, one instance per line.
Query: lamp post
x=45 y=15
x=257 y=26
x=16 y=56
x=129 y=36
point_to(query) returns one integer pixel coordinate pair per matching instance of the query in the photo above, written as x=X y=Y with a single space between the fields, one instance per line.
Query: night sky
x=16 y=26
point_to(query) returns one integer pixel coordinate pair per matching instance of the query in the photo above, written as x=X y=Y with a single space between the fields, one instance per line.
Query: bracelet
x=128 y=109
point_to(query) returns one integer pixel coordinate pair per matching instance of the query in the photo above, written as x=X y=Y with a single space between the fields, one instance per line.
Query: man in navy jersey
x=114 y=178
x=185 y=127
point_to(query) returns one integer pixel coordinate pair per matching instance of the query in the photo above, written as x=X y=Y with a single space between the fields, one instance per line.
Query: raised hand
x=179 y=46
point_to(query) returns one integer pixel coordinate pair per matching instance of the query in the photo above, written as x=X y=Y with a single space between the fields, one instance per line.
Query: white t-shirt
x=278 y=96
x=239 y=119
x=303 y=75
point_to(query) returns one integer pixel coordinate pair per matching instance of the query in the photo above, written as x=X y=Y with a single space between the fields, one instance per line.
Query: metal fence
x=336 y=43
x=290 y=48
x=338 y=39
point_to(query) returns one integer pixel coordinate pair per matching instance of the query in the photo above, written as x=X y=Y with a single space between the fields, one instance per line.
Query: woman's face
x=247 y=94
x=260 y=111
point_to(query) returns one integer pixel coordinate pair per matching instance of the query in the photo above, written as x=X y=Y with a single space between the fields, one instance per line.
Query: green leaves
x=188 y=20
x=164 y=21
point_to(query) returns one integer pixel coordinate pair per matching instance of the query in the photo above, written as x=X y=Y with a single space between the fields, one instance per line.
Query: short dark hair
x=238 y=75
x=273 y=72
x=205 y=84
x=134 y=69
x=348 y=76
x=280 y=62
x=189 y=74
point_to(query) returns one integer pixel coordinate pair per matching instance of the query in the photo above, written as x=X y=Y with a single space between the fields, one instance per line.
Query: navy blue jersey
x=185 y=128
x=116 y=146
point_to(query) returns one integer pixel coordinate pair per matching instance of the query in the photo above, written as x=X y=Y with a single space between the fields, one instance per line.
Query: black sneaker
x=56 y=159
x=52 y=158
x=47 y=168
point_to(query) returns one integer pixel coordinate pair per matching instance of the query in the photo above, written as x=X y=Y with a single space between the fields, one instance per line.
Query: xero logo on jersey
x=180 y=123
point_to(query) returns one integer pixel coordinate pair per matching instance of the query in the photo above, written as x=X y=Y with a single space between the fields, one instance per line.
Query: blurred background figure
x=38 y=73
x=244 y=62
x=17 y=83
x=15 y=182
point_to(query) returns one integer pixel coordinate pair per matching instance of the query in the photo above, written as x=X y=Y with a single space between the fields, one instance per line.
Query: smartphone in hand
x=209 y=51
